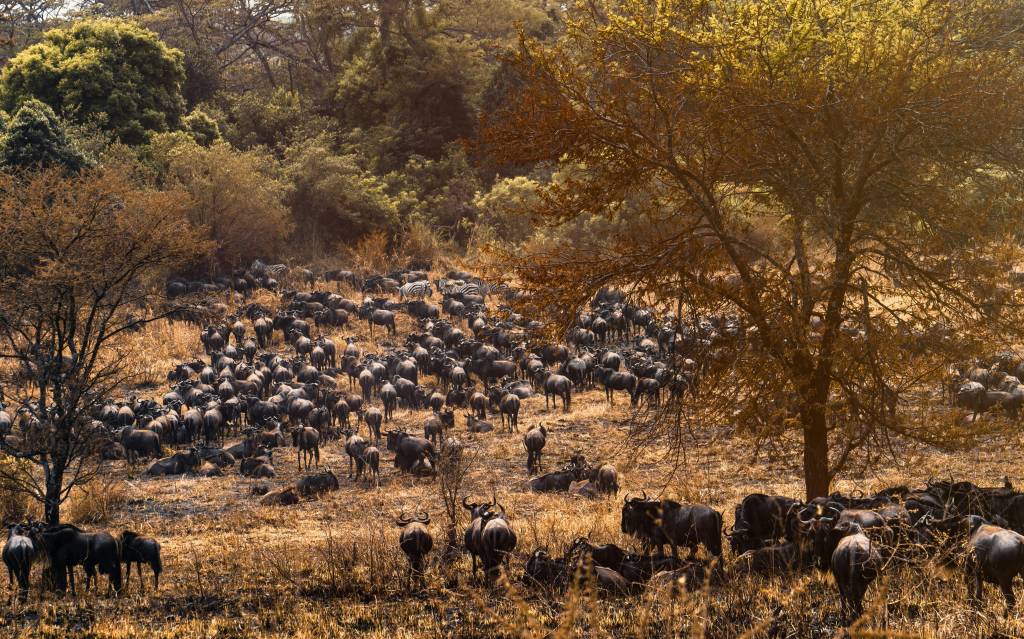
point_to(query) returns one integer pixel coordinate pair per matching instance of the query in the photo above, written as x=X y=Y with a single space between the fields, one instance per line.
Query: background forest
x=296 y=127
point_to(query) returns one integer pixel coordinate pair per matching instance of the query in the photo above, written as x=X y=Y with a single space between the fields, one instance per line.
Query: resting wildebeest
x=415 y=541
x=19 y=554
x=176 y=464
x=560 y=480
x=761 y=520
x=658 y=523
x=475 y=425
x=855 y=564
x=318 y=484
x=140 y=550
x=534 y=440
x=542 y=568
x=68 y=546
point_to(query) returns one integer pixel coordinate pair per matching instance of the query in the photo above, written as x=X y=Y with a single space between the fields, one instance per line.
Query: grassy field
x=332 y=568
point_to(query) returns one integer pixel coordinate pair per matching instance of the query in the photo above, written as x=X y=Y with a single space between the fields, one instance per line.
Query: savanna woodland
x=512 y=318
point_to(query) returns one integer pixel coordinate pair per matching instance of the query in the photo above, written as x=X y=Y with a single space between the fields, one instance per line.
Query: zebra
x=459 y=288
x=418 y=289
x=259 y=268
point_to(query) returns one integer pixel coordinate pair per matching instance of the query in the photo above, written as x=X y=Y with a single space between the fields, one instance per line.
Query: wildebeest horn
x=502 y=508
x=468 y=506
x=424 y=518
x=626 y=499
x=644 y=495
x=402 y=519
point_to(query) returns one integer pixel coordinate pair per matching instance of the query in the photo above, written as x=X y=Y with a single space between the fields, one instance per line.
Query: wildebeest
x=497 y=540
x=761 y=520
x=370 y=459
x=994 y=555
x=475 y=425
x=606 y=479
x=374 y=419
x=140 y=550
x=138 y=442
x=855 y=564
x=415 y=541
x=410 y=452
x=509 y=407
x=176 y=464
x=658 y=523
x=542 y=568
x=354 y=448
x=306 y=440
x=534 y=441
x=558 y=386
x=19 y=553
x=435 y=425
x=318 y=484
x=613 y=381
x=560 y=480
x=68 y=546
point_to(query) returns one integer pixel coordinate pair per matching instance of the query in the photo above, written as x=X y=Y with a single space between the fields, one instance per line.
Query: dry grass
x=332 y=567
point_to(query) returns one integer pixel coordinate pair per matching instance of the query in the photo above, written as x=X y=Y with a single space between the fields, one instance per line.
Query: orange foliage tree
x=81 y=261
x=841 y=176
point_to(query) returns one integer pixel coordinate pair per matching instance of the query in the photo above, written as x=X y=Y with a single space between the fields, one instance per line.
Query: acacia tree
x=80 y=258
x=840 y=176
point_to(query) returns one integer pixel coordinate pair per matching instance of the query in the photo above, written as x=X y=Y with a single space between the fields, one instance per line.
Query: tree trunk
x=817 y=477
x=51 y=507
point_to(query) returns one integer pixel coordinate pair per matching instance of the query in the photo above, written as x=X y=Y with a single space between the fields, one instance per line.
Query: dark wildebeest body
x=19 y=554
x=140 y=550
x=658 y=523
x=68 y=546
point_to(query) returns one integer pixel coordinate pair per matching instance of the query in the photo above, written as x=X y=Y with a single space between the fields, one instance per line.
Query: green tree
x=238 y=196
x=36 y=138
x=107 y=70
x=333 y=197
x=203 y=128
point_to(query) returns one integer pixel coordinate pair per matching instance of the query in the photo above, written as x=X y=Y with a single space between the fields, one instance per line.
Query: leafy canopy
x=36 y=138
x=107 y=70
x=840 y=176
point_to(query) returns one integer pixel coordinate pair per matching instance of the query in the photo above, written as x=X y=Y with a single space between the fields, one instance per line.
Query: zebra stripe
x=418 y=289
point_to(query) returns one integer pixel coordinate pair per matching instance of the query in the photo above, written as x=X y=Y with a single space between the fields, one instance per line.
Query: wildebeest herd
x=274 y=377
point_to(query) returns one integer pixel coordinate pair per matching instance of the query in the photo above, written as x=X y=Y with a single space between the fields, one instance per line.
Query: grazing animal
x=355 y=446
x=140 y=550
x=855 y=564
x=370 y=459
x=606 y=478
x=761 y=520
x=658 y=523
x=509 y=407
x=558 y=386
x=68 y=546
x=281 y=497
x=374 y=419
x=497 y=540
x=534 y=440
x=415 y=541
x=994 y=555
x=19 y=554
x=307 y=442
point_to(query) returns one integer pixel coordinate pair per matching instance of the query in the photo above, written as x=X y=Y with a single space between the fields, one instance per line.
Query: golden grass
x=332 y=567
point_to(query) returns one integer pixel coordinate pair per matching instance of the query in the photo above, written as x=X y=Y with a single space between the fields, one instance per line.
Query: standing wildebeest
x=558 y=386
x=378 y=317
x=606 y=478
x=658 y=523
x=613 y=381
x=307 y=442
x=435 y=425
x=68 y=546
x=478 y=404
x=855 y=564
x=139 y=442
x=994 y=555
x=140 y=550
x=497 y=540
x=389 y=397
x=19 y=554
x=374 y=419
x=415 y=541
x=509 y=406
x=410 y=453
x=369 y=459
x=534 y=440
x=354 y=448
x=761 y=520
